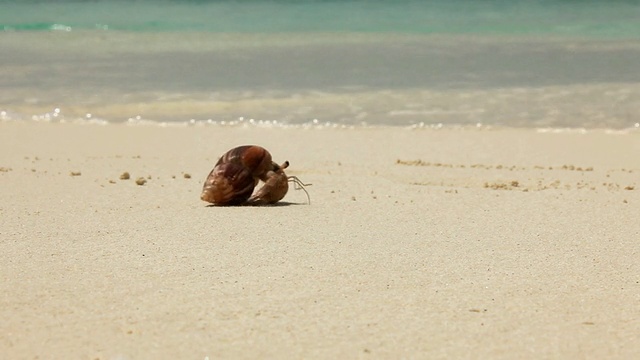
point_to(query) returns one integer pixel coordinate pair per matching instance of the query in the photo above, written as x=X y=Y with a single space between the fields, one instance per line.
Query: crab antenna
x=298 y=184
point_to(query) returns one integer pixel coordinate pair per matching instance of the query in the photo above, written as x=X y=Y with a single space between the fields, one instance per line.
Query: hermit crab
x=237 y=173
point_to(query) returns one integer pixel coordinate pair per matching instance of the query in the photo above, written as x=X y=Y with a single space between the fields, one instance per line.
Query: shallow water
x=347 y=63
x=591 y=18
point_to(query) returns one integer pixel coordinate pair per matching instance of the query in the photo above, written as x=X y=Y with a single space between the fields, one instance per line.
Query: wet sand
x=421 y=243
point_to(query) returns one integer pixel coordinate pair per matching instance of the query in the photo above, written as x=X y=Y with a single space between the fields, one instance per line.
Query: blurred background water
x=612 y=19
x=562 y=63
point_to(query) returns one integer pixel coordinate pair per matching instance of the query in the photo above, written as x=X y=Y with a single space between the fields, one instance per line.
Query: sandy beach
x=424 y=243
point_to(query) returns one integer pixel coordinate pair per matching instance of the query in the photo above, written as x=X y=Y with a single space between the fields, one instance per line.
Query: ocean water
x=519 y=63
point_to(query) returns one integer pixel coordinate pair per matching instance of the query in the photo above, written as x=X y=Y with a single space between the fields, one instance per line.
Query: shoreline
x=242 y=123
x=357 y=78
x=426 y=243
x=592 y=106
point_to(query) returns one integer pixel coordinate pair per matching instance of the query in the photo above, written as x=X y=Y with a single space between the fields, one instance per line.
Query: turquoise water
x=610 y=19
x=437 y=63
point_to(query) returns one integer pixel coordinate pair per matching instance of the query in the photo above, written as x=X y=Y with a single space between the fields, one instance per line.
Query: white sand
x=496 y=244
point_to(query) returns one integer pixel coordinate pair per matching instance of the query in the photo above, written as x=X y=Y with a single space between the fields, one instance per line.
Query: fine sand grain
x=417 y=244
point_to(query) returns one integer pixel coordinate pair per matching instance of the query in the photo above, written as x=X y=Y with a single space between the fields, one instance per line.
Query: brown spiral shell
x=235 y=175
x=255 y=158
x=238 y=171
x=228 y=184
